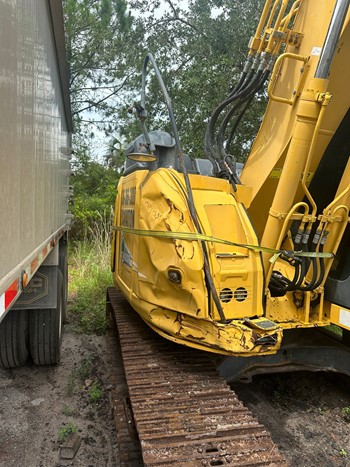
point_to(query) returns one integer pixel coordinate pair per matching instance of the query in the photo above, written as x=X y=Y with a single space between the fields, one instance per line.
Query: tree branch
x=177 y=17
x=95 y=122
x=95 y=104
x=94 y=88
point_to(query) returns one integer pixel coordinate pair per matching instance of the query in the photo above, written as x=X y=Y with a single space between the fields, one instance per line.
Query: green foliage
x=321 y=410
x=71 y=385
x=79 y=374
x=89 y=277
x=343 y=453
x=68 y=411
x=94 y=187
x=95 y=392
x=200 y=47
x=65 y=431
x=346 y=413
x=86 y=367
x=95 y=32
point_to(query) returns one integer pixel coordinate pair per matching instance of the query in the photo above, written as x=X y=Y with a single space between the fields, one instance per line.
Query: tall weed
x=89 y=276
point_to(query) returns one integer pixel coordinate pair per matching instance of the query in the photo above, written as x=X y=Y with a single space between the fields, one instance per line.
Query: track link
x=183 y=411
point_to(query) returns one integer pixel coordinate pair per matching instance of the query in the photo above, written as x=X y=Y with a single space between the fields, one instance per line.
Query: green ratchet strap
x=191 y=236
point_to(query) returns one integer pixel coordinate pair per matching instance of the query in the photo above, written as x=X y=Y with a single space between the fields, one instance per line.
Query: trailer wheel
x=14 y=349
x=45 y=331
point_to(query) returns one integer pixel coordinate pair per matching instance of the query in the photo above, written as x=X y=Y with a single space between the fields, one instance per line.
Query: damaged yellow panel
x=164 y=279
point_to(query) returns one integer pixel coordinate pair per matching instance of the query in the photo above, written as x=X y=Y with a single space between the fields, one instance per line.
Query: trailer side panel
x=35 y=128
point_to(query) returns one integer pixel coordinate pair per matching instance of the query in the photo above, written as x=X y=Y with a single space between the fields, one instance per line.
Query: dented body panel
x=163 y=278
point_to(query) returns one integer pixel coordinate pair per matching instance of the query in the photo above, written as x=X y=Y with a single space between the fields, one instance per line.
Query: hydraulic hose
x=209 y=280
x=311 y=284
x=239 y=84
x=317 y=275
x=224 y=149
x=280 y=283
x=240 y=116
x=209 y=145
x=297 y=273
x=322 y=270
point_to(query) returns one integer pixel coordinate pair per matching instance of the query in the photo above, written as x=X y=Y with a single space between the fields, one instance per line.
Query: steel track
x=183 y=411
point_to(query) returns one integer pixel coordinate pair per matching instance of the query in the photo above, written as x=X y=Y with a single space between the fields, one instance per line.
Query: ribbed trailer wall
x=35 y=126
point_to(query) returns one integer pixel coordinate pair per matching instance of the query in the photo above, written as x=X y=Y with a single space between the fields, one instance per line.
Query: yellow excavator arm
x=299 y=167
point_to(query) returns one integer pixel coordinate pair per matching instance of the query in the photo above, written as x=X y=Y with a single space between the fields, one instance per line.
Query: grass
x=79 y=374
x=84 y=373
x=95 y=392
x=71 y=385
x=346 y=413
x=86 y=367
x=89 y=276
x=65 y=431
x=68 y=411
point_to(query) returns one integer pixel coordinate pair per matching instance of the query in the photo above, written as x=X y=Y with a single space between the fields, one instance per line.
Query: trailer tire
x=14 y=350
x=45 y=330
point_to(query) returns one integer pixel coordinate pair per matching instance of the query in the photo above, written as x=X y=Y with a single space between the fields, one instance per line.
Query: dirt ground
x=305 y=413
x=37 y=405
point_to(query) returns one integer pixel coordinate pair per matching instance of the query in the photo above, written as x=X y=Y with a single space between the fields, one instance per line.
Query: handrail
x=274 y=77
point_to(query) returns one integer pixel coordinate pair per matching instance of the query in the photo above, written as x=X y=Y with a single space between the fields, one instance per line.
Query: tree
x=94 y=193
x=200 y=50
x=95 y=32
x=199 y=47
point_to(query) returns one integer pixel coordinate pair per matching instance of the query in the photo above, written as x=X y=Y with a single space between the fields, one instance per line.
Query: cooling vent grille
x=240 y=294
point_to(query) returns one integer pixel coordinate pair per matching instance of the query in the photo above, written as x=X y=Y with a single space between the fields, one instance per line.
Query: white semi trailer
x=35 y=129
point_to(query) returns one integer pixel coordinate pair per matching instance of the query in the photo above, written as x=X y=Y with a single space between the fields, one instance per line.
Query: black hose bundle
x=279 y=285
x=229 y=114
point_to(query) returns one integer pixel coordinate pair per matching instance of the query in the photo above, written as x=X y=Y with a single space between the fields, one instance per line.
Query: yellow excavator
x=232 y=261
